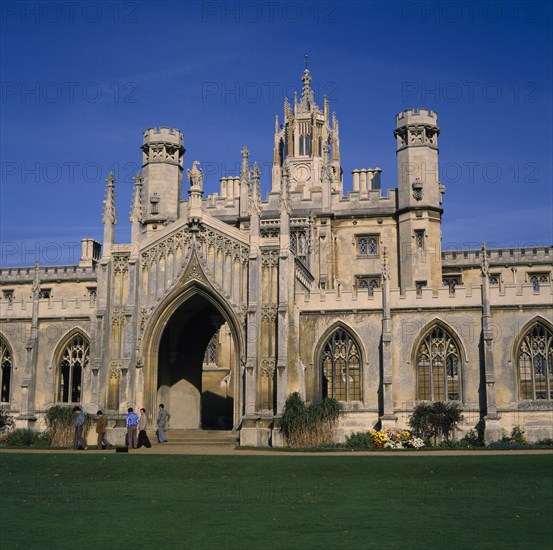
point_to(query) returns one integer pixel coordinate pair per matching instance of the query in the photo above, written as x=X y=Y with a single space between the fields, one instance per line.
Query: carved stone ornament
x=417 y=189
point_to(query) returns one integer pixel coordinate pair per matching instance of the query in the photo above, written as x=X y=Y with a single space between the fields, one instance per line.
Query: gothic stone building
x=223 y=305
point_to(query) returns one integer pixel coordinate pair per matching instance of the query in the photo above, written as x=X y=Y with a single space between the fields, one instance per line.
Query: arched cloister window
x=341 y=367
x=73 y=360
x=535 y=363
x=5 y=371
x=210 y=357
x=438 y=363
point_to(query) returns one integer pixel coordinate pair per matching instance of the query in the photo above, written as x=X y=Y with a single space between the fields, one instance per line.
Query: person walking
x=101 y=427
x=132 y=424
x=79 y=426
x=143 y=439
x=163 y=417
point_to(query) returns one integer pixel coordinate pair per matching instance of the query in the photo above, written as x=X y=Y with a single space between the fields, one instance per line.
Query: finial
x=111 y=179
x=385 y=263
x=285 y=191
x=255 y=197
x=245 y=163
x=484 y=263
x=256 y=170
x=306 y=59
x=109 y=214
x=36 y=279
x=136 y=206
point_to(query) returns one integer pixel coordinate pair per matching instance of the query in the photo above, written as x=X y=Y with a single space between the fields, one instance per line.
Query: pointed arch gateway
x=173 y=349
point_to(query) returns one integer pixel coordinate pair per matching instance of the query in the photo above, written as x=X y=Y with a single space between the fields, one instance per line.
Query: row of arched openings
x=438 y=364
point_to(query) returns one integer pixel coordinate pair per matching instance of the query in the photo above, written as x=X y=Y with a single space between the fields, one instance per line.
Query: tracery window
x=341 y=367
x=438 y=364
x=298 y=244
x=211 y=351
x=369 y=283
x=535 y=363
x=451 y=281
x=538 y=279
x=5 y=371
x=73 y=361
x=367 y=245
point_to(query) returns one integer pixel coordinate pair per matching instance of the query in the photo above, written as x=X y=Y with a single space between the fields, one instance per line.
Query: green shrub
x=24 y=437
x=360 y=441
x=435 y=420
x=472 y=439
x=60 y=421
x=309 y=425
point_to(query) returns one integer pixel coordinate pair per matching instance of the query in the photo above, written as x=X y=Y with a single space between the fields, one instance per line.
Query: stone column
x=355 y=175
x=493 y=430
x=28 y=385
x=387 y=393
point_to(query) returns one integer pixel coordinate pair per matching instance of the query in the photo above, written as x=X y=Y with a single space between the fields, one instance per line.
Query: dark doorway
x=195 y=388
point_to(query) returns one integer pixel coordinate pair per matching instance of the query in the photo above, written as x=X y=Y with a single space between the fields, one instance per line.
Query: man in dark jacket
x=101 y=427
x=79 y=426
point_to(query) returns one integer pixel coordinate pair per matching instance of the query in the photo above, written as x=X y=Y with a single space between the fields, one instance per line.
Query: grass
x=82 y=500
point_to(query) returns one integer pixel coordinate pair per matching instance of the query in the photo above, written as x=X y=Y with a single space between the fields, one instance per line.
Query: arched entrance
x=192 y=366
x=196 y=355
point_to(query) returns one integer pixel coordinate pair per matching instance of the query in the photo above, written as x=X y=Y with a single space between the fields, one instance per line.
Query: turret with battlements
x=419 y=198
x=162 y=166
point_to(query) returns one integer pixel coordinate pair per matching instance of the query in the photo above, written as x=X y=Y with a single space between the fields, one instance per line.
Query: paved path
x=220 y=450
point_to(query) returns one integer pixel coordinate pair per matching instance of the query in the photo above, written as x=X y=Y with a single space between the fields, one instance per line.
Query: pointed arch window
x=341 y=367
x=210 y=357
x=5 y=371
x=438 y=363
x=73 y=360
x=535 y=363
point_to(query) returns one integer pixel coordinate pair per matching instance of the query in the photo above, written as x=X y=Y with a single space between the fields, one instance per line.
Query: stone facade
x=222 y=305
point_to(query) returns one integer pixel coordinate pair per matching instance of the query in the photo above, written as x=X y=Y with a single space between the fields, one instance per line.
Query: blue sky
x=80 y=84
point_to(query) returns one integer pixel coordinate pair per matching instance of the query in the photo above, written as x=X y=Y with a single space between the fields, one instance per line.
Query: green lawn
x=87 y=500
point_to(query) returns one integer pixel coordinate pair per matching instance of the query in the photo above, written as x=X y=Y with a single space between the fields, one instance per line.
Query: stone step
x=202 y=437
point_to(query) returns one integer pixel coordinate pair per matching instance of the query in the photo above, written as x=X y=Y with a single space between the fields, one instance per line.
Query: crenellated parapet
x=22 y=275
x=464 y=298
x=499 y=256
x=417 y=127
x=163 y=136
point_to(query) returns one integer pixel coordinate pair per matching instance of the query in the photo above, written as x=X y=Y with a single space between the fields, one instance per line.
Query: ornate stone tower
x=162 y=165
x=419 y=199
x=307 y=144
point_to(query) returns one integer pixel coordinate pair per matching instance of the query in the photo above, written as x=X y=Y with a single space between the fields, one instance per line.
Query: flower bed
x=386 y=438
